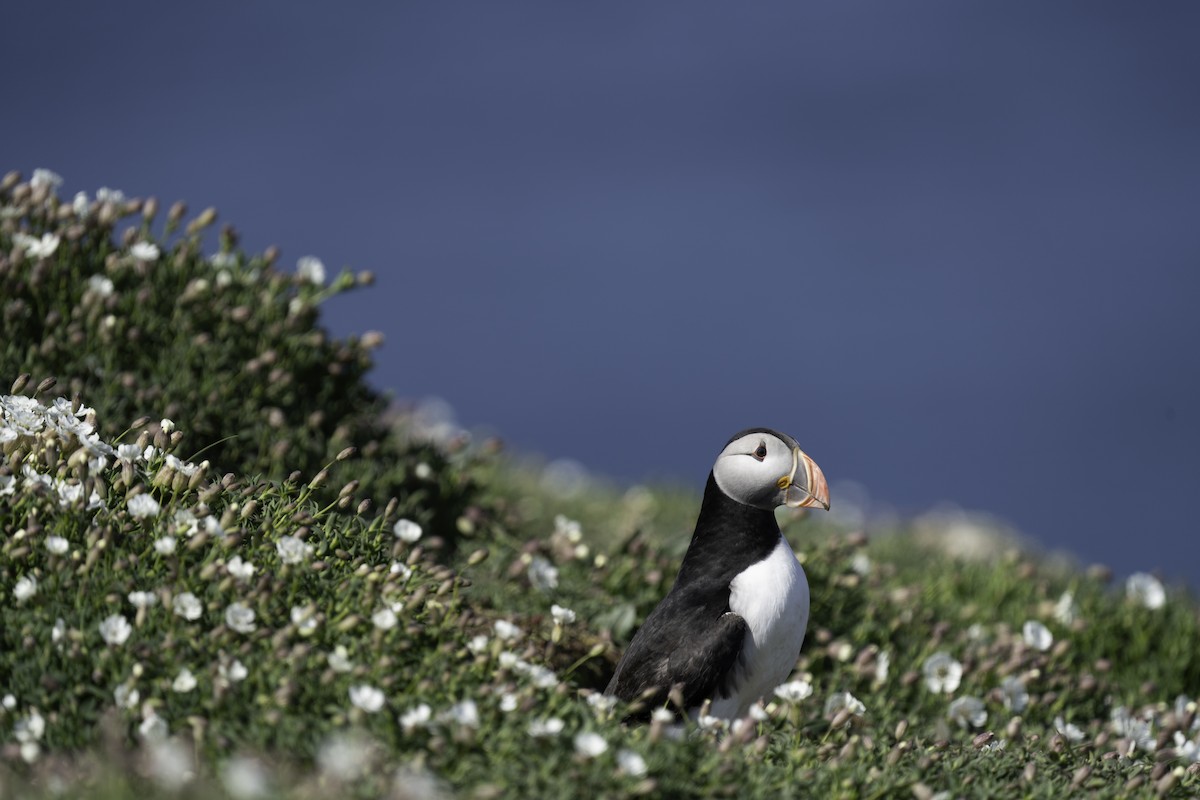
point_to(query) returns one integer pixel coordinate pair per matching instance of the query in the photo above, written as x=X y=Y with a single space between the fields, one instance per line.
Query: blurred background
x=952 y=247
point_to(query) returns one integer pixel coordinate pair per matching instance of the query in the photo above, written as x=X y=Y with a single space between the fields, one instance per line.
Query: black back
x=690 y=638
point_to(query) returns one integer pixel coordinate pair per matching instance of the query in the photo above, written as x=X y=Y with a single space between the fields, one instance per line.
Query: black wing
x=696 y=644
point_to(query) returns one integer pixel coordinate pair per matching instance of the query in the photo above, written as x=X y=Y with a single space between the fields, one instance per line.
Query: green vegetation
x=230 y=570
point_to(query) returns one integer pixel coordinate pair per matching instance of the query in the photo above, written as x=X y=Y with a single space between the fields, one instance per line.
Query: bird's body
x=732 y=626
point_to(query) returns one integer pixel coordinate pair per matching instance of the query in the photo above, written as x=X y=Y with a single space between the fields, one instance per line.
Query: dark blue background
x=951 y=246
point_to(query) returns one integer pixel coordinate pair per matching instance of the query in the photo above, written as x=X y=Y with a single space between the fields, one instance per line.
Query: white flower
x=708 y=722
x=757 y=712
x=415 y=718
x=942 y=673
x=164 y=545
x=58 y=631
x=793 y=691
x=107 y=195
x=126 y=696
x=883 y=663
x=1068 y=730
x=1015 y=696
x=143 y=505
x=662 y=716
x=30 y=728
x=101 y=285
x=1037 y=635
x=508 y=702
x=25 y=588
x=24 y=414
x=589 y=744
x=509 y=659
x=245 y=778
x=569 y=528
x=603 y=703
x=30 y=752
x=240 y=618
x=234 y=672
x=366 y=697
x=57 y=545
x=1141 y=587
x=154 y=728
x=144 y=251
x=129 y=452
x=80 y=204
x=967 y=711
x=185 y=468
x=406 y=530
x=305 y=619
x=339 y=659
x=143 y=599
x=9 y=702
x=561 y=615
x=631 y=763
x=542 y=728
x=1065 y=610
x=840 y=700
x=242 y=570
x=1187 y=750
x=861 y=563
x=37 y=247
x=423 y=471
x=403 y=570
x=541 y=677
x=542 y=574
x=478 y=644
x=45 y=177
x=115 y=629
x=187 y=605
x=292 y=550
x=465 y=713
x=384 y=619
x=311 y=269
x=185 y=681
x=506 y=631
x=344 y=756
x=1140 y=731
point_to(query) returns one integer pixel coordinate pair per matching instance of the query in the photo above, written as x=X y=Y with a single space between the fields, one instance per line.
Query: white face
x=766 y=470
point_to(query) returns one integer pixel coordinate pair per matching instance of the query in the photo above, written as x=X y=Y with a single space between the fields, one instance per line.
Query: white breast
x=772 y=596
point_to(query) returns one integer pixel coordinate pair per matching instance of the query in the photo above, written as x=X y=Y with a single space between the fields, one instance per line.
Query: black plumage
x=692 y=638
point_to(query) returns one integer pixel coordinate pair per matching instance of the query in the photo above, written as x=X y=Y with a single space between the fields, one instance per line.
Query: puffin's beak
x=806 y=486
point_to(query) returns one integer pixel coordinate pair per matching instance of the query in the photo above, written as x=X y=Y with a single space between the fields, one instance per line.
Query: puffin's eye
x=761 y=452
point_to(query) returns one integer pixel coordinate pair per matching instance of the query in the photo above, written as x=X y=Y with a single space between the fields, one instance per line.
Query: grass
x=379 y=662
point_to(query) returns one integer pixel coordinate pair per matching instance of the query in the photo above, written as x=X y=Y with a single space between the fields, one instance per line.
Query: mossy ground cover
x=229 y=570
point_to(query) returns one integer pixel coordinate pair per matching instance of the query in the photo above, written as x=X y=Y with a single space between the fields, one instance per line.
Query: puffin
x=730 y=629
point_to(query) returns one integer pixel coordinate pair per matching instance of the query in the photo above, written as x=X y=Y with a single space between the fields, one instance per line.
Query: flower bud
x=23 y=379
x=207 y=217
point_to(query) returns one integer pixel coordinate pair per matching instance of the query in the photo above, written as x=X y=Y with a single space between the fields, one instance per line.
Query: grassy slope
x=290 y=724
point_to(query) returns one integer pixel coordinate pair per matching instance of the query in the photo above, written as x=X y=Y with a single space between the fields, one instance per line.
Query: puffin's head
x=766 y=469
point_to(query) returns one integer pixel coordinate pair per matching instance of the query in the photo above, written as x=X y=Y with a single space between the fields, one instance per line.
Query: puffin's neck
x=729 y=537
